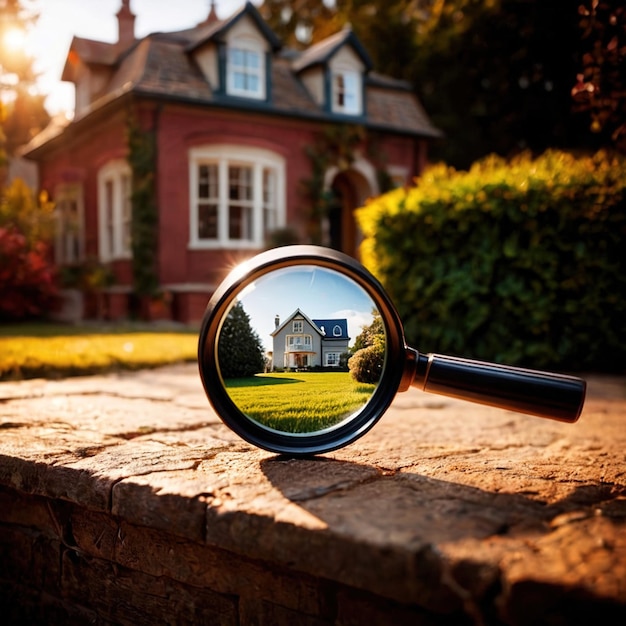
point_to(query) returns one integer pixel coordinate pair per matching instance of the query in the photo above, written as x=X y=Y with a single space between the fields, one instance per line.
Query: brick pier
x=124 y=500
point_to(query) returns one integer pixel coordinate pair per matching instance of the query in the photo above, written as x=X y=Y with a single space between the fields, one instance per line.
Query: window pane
x=207 y=181
x=340 y=93
x=240 y=81
x=203 y=181
x=240 y=183
x=253 y=59
x=207 y=221
x=240 y=223
x=236 y=56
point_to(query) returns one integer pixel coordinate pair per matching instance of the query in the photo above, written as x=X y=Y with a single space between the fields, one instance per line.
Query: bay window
x=236 y=195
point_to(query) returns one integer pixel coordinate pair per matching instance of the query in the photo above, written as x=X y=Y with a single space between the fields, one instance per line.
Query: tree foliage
x=240 y=351
x=371 y=334
x=600 y=88
x=22 y=110
x=497 y=76
x=27 y=275
x=298 y=23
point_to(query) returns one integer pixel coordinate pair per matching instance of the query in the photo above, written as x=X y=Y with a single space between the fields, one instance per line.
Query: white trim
x=114 y=187
x=226 y=156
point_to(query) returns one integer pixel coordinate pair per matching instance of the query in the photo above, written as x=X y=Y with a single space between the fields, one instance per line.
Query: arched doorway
x=349 y=189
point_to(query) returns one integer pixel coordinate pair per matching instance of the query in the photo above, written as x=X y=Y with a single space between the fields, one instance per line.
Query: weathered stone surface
x=444 y=508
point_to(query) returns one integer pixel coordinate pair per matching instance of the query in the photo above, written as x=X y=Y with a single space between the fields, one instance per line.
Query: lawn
x=57 y=351
x=299 y=402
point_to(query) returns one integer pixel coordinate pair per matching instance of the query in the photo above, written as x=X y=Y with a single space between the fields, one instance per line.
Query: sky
x=59 y=20
x=319 y=293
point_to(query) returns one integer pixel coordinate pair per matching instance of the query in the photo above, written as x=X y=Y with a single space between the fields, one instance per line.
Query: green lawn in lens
x=299 y=402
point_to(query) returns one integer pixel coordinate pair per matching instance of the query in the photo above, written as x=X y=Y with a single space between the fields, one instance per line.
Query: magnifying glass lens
x=285 y=344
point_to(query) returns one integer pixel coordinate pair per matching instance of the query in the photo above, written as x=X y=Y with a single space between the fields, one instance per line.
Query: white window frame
x=298 y=326
x=337 y=332
x=114 y=211
x=267 y=206
x=347 y=92
x=241 y=67
x=335 y=355
x=69 y=244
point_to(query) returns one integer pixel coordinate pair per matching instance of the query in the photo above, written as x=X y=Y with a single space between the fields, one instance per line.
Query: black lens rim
x=275 y=441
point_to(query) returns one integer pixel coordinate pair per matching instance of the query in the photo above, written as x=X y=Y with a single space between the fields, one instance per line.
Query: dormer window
x=246 y=72
x=346 y=92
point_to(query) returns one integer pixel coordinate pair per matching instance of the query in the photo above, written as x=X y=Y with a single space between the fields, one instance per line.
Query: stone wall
x=64 y=564
x=124 y=500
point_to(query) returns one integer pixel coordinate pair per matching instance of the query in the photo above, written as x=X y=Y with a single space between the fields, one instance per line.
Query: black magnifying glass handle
x=544 y=394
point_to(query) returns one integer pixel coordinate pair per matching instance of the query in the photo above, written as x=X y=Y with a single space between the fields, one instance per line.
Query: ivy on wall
x=144 y=222
x=335 y=146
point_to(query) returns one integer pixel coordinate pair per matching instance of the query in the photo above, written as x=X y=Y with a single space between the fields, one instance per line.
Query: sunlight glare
x=14 y=39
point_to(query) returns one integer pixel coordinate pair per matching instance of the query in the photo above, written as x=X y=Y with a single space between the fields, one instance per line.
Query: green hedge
x=521 y=261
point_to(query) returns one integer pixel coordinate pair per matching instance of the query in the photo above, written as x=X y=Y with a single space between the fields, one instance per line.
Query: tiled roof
x=328 y=327
x=162 y=65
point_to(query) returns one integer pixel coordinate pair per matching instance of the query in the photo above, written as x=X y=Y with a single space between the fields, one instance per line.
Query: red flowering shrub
x=27 y=277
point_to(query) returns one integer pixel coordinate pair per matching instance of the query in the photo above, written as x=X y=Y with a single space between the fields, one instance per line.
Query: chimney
x=125 y=25
x=212 y=18
x=276 y=321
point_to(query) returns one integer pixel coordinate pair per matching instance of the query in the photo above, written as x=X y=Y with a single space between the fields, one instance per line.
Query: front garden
x=39 y=350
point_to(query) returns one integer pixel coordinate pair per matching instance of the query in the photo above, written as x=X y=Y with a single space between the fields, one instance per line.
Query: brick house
x=300 y=342
x=237 y=124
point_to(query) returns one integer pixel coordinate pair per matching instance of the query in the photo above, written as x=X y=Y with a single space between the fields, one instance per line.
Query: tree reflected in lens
x=301 y=349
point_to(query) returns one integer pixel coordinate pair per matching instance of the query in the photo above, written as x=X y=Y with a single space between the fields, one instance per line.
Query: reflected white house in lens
x=301 y=342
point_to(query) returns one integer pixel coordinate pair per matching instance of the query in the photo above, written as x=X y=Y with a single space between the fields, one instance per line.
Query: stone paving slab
x=443 y=504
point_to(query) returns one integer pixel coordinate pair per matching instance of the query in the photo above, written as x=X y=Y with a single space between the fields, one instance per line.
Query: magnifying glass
x=301 y=352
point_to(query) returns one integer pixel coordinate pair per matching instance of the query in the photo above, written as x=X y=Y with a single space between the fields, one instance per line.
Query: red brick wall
x=79 y=156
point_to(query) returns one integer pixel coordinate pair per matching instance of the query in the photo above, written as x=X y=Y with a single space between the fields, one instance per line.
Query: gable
x=211 y=55
x=346 y=59
x=286 y=326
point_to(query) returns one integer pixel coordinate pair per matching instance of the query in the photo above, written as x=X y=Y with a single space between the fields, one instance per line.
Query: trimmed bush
x=519 y=262
x=366 y=365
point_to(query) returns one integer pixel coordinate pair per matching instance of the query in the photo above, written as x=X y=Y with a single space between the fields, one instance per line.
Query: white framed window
x=245 y=71
x=337 y=330
x=114 y=211
x=237 y=196
x=346 y=92
x=298 y=326
x=69 y=244
x=331 y=359
x=298 y=342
